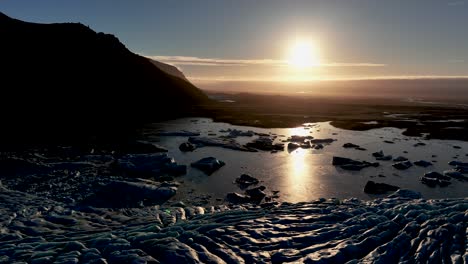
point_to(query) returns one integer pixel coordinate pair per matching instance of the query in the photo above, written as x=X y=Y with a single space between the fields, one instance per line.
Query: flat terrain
x=440 y=120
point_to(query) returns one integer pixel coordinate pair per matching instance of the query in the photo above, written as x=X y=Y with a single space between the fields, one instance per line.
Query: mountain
x=169 y=69
x=66 y=78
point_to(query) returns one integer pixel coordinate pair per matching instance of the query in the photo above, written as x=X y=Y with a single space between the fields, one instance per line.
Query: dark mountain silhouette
x=65 y=78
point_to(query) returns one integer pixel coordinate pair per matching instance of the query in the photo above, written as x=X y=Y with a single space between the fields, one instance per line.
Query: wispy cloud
x=353 y=64
x=457 y=3
x=197 y=61
x=185 y=60
x=456 y=61
x=311 y=79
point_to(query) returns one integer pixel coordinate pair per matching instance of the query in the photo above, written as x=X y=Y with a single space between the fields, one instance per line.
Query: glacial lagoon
x=306 y=174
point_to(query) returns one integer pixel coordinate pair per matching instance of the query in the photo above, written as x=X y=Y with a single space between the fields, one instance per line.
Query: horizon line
x=293 y=80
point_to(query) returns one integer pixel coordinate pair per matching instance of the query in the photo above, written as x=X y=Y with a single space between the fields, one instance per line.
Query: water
x=307 y=174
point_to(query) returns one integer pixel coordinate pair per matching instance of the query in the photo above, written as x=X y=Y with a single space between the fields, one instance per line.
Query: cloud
x=211 y=79
x=357 y=64
x=196 y=61
x=456 y=3
x=185 y=60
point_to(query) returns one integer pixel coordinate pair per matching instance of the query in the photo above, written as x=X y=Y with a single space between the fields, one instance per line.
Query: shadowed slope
x=68 y=77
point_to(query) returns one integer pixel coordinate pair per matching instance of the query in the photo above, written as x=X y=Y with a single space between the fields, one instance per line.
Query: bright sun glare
x=303 y=54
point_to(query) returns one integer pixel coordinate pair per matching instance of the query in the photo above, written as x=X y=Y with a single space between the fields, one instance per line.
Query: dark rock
x=419 y=144
x=402 y=165
x=349 y=164
x=266 y=144
x=378 y=154
x=434 y=178
x=462 y=169
x=350 y=145
x=443 y=183
x=456 y=147
x=218 y=142
x=436 y=175
x=389 y=142
x=422 y=163
x=354 y=146
x=293 y=146
x=385 y=158
x=429 y=181
x=237 y=198
x=317 y=146
x=233 y=133
x=147 y=165
x=458 y=163
x=187 y=146
x=246 y=180
x=208 y=165
x=299 y=139
x=455 y=174
x=379 y=188
x=256 y=194
x=265 y=134
x=207 y=141
x=322 y=141
x=399 y=159
x=338 y=161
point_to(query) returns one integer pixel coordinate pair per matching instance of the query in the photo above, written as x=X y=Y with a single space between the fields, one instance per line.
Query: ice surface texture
x=389 y=230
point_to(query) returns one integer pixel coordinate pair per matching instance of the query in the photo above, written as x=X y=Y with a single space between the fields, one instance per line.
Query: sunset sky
x=246 y=40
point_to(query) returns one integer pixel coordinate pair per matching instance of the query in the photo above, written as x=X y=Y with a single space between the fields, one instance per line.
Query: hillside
x=169 y=69
x=66 y=76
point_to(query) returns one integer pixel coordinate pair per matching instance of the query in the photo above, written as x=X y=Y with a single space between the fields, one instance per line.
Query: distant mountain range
x=66 y=76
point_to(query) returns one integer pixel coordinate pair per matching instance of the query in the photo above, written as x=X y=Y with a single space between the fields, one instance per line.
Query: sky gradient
x=246 y=40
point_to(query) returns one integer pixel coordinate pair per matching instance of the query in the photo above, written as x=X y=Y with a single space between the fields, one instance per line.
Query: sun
x=303 y=54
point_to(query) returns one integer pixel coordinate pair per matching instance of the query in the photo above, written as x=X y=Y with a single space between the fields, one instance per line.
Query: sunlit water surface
x=308 y=174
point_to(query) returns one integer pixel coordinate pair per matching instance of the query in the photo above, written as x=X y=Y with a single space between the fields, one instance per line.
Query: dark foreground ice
x=401 y=229
x=148 y=203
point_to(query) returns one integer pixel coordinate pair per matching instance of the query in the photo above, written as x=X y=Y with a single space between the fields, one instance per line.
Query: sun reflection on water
x=299 y=131
x=298 y=172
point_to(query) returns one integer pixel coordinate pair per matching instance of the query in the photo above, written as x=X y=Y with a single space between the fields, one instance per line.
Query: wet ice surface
x=307 y=174
x=391 y=230
x=77 y=207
